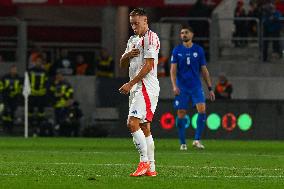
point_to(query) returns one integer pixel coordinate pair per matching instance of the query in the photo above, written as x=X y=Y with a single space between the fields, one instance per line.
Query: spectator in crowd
x=45 y=63
x=163 y=66
x=11 y=89
x=200 y=9
x=105 y=64
x=271 y=28
x=62 y=92
x=35 y=52
x=73 y=119
x=254 y=12
x=224 y=88
x=38 y=98
x=63 y=64
x=240 y=25
x=82 y=67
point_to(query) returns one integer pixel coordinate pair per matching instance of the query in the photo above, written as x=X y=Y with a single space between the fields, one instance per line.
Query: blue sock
x=201 y=120
x=181 y=129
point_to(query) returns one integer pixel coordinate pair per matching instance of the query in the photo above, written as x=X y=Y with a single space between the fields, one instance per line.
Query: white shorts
x=142 y=106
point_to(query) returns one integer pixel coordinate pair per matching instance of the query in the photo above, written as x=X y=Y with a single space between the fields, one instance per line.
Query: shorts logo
x=177 y=102
x=195 y=54
x=134 y=112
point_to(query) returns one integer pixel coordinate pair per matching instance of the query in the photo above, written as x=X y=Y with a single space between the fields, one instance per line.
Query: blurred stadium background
x=72 y=35
x=234 y=46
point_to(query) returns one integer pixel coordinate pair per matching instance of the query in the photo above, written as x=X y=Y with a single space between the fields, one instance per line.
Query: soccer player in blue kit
x=187 y=62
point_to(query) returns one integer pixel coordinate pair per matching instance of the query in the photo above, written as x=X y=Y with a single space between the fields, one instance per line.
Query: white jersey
x=149 y=46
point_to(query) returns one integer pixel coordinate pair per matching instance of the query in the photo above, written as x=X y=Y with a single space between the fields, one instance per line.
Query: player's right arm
x=128 y=54
x=174 y=78
x=125 y=58
x=173 y=73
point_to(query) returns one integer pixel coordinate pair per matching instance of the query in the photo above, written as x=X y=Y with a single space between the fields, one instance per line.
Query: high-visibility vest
x=105 y=68
x=11 y=86
x=38 y=81
x=62 y=92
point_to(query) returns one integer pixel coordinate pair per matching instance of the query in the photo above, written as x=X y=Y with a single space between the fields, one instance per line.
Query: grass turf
x=106 y=163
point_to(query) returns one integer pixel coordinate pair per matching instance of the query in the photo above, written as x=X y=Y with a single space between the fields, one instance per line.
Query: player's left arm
x=147 y=67
x=206 y=78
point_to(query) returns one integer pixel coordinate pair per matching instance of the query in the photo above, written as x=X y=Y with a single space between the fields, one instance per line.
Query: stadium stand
x=85 y=30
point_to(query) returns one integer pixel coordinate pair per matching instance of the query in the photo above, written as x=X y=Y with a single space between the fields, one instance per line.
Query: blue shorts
x=185 y=97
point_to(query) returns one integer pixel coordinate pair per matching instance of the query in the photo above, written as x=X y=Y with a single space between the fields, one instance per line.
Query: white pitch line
x=212 y=176
x=8 y=174
x=68 y=163
x=235 y=154
x=128 y=164
x=63 y=152
x=75 y=175
x=230 y=168
x=170 y=152
x=237 y=176
x=173 y=176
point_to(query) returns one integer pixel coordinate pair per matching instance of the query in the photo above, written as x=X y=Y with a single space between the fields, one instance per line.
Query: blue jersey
x=189 y=62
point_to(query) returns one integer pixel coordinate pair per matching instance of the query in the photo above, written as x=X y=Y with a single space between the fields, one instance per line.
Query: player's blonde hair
x=138 y=12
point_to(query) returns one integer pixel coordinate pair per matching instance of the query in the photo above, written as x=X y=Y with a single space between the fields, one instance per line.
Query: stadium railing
x=280 y=39
x=202 y=26
x=18 y=37
x=219 y=42
x=222 y=42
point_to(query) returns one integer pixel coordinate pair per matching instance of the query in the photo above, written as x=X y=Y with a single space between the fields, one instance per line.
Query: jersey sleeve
x=150 y=44
x=174 y=57
x=202 y=57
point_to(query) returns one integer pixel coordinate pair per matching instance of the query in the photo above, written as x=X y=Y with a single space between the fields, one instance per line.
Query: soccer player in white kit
x=141 y=56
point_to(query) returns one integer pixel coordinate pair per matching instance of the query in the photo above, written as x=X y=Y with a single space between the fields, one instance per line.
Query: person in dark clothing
x=271 y=28
x=38 y=98
x=72 y=121
x=240 y=25
x=64 y=64
x=199 y=9
x=254 y=12
x=62 y=93
x=105 y=65
x=10 y=88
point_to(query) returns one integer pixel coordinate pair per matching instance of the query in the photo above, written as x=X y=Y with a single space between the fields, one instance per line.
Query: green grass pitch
x=106 y=163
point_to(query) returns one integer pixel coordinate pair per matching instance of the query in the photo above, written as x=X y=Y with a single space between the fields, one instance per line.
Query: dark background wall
x=267 y=115
x=267 y=120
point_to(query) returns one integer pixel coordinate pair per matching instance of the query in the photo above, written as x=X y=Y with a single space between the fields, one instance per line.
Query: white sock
x=150 y=152
x=141 y=145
